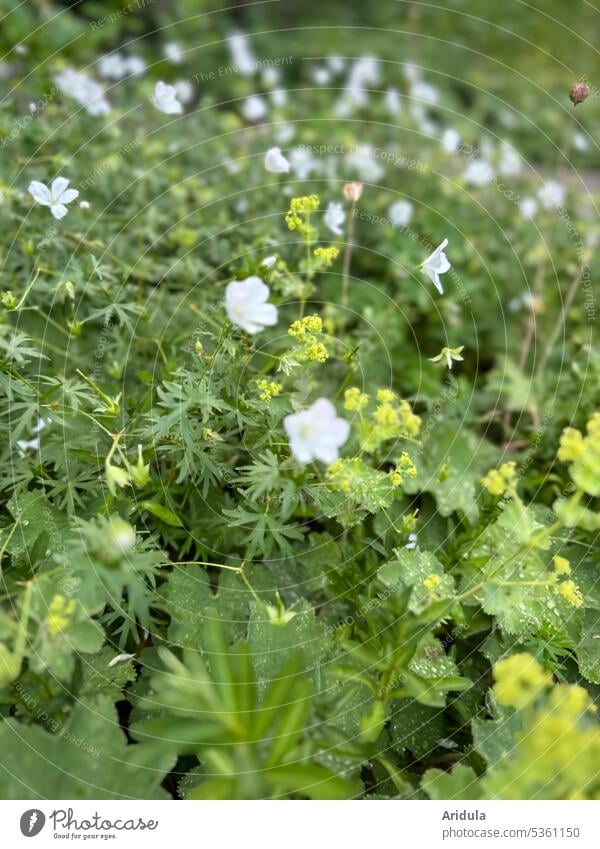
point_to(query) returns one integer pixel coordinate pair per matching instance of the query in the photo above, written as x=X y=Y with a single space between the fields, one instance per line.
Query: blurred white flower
x=528 y=207
x=269 y=261
x=424 y=91
x=335 y=217
x=411 y=72
x=321 y=76
x=84 y=90
x=362 y=161
x=316 y=433
x=450 y=140
x=254 y=108
x=270 y=77
x=241 y=53
x=401 y=213
x=165 y=99
x=393 y=100
x=136 y=65
x=412 y=541
x=436 y=264
x=303 y=163
x=510 y=163
x=184 y=91
x=580 y=142
x=25 y=445
x=173 y=52
x=551 y=195
x=56 y=197
x=278 y=97
x=478 y=173
x=275 y=161
x=84 y=205
x=113 y=66
x=336 y=63
x=284 y=133
x=247 y=307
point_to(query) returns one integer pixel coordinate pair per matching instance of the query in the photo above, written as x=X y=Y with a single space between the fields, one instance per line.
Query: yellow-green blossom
x=561 y=565
x=355 y=400
x=309 y=324
x=570 y=592
x=268 y=389
x=326 y=255
x=60 y=613
x=431 y=582
x=297 y=217
x=498 y=480
x=404 y=468
x=519 y=680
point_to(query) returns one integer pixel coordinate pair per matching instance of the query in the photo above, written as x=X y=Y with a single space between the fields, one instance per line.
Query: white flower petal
x=58 y=210
x=40 y=192
x=68 y=196
x=58 y=186
x=275 y=161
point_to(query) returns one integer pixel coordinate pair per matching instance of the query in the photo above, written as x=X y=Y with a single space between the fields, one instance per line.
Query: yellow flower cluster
x=583 y=452
x=561 y=565
x=355 y=400
x=326 y=255
x=404 y=468
x=519 y=680
x=391 y=418
x=268 y=389
x=431 y=582
x=498 y=480
x=60 y=612
x=311 y=350
x=300 y=208
x=570 y=592
x=337 y=477
x=309 y=324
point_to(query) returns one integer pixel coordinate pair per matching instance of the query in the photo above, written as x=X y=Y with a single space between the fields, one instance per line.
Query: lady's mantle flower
x=56 y=197
x=435 y=265
x=449 y=354
x=316 y=433
x=275 y=161
x=335 y=217
x=165 y=99
x=247 y=307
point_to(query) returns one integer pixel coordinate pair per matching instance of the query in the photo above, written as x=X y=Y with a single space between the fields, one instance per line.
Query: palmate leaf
x=264 y=531
x=88 y=758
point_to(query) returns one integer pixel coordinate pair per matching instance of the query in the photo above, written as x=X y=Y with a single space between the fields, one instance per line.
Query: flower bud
x=353 y=191
x=579 y=92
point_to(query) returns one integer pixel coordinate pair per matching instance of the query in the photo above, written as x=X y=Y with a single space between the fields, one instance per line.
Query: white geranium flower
x=184 y=91
x=254 y=108
x=335 y=217
x=580 y=142
x=393 y=101
x=528 y=207
x=303 y=163
x=362 y=161
x=114 y=66
x=56 y=197
x=450 y=140
x=241 y=53
x=247 y=307
x=424 y=91
x=401 y=213
x=478 y=173
x=316 y=433
x=321 y=76
x=275 y=161
x=270 y=77
x=173 y=52
x=435 y=265
x=165 y=99
x=336 y=63
x=510 y=164
x=136 y=65
x=269 y=261
x=284 y=133
x=278 y=97
x=551 y=195
x=84 y=90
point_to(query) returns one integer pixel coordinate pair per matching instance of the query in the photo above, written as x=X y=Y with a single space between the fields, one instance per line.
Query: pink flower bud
x=353 y=191
x=579 y=92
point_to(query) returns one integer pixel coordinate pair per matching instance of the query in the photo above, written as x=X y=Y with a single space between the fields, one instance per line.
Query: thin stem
x=560 y=322
x=348 y=255
x=202 y=563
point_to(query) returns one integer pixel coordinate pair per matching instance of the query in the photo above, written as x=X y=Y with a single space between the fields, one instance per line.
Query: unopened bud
x=353 y=191
x=579 y=92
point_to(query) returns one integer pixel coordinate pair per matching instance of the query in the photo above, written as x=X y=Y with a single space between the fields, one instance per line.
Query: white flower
x=336 y=63
x=551 y=195
x=136 y=65
x=528 y=207
x=335 y=217
x=85 y=91
x=478 y=173
x=510 y=164
x=321 y=76
x=401 y=212
x=450 y=140
x=393 y=101
x=173 y=52
x=284 y=133
x=184 y=91
x=316 y=433
x=247 y=307
x=270 y=77
x=165 y=99
x=412 y=541
x=278 y=97
x=114 y=66
x=435 y=265
x=269 y=261
x=275 y=161
x=254 y=108
x=580 y=142
x=362 y=161
x=25 y=445
x=84 y=205
x=241 y=53
x=303 y=163
x=424 y=91
x=56 y=197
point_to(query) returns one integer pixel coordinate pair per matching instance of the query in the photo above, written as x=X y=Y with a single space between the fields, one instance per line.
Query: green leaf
x=461 y=783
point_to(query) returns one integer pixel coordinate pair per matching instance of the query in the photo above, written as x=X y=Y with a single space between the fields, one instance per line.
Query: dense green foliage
x=186 y=608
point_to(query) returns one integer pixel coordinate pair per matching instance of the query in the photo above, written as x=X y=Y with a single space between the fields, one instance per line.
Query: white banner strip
x=298 y=825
